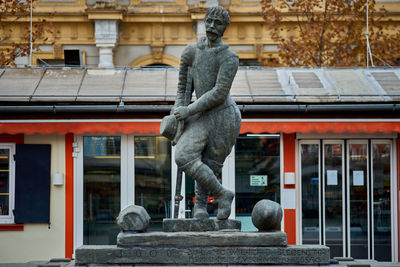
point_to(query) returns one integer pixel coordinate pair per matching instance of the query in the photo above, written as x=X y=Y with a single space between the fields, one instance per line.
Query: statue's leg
x=201 y=200
x=200 y=203
x=225 y=125
x=188 y=157
x=208 y=181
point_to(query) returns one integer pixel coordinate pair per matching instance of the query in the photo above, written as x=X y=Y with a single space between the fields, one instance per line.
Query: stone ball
x=133 y=218
x=267 y=215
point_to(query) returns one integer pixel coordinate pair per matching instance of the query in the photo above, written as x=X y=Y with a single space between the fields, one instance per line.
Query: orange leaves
x=42 y=31
x=330 y=32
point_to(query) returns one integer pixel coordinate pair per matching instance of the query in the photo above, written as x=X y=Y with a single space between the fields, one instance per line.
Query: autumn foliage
x=13 y=13
x=331 y=33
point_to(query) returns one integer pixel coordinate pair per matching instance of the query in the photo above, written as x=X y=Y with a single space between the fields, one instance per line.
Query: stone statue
x=212 y=122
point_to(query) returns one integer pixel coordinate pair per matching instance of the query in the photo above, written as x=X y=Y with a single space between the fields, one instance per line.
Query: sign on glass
x=358 y=178
x=332 y=177
x=258 y=180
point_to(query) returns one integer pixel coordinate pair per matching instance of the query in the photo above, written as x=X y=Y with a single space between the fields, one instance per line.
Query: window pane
x=333 y=199
x=153 y=178
x=4 y=181
x=101 y=182
x=382 y=220
x=257 y=174
x=310 y=193
x=358 y=201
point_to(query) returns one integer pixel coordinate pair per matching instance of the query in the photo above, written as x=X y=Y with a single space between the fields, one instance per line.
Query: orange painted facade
x=12 y=133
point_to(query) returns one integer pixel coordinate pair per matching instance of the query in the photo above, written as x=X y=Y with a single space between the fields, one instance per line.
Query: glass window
x=257 y=174
x=310 y=193
x=358 y=192
x=153 y=178
x=102 y=182
x=381 y=200
x=6 y=184
x=333 y=165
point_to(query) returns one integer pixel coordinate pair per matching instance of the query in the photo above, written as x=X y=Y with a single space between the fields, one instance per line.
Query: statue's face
x=215 y=27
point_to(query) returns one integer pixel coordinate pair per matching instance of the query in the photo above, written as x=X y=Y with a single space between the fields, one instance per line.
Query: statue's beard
x=212 y=35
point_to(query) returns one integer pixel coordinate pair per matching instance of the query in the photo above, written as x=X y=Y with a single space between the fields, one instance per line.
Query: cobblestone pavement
x=60 y=263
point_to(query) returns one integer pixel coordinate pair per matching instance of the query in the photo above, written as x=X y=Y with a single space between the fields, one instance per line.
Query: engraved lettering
x=153 y=253
x=169 y=252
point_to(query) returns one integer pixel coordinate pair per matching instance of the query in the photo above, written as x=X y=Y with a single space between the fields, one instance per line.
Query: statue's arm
x=187 y=58
x=218 y=94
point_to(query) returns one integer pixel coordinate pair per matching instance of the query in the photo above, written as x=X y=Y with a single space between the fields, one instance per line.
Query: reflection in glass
x=153 y=178
x=4 y=181
x=189 y=196
x=101 y=183
x=333 y=199
x=257 y=172
x=212 y=205
x=358 y=201
x=381 y=200
x=310 y=193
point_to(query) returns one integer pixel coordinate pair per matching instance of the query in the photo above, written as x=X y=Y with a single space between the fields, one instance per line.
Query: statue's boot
x=206 y=178
x=200 y=203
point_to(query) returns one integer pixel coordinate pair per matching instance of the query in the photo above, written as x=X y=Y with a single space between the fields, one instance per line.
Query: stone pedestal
x=207 y=247
x=302 y=255
x=105 y=57
x=203 y=239
x=195 y=225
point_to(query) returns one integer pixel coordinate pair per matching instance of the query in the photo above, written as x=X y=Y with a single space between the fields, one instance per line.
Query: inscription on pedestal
x=308 y=254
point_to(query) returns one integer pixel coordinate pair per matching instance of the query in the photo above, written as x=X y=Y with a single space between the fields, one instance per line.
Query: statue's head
x=216 y=21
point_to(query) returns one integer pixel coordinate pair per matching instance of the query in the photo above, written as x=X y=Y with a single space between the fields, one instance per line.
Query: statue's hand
x=181 y=113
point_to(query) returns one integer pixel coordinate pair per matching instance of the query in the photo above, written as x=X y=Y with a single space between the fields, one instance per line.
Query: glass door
x=333 y=197
x=152 y=162
x=381 y=195
x=257 y=174
x=310 y=192
x=350 y=208
x=101 y=189
x=358 y=199
x=113 y=172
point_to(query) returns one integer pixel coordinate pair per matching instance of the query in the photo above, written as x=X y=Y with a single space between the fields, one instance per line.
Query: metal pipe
x=30 y=36
x=298 y=108
x=315 y=108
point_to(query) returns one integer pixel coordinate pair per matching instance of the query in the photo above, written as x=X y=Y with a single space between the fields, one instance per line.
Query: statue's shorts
x=209 y=136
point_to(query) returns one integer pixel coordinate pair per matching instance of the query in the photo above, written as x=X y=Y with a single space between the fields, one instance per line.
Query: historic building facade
x=107 y=33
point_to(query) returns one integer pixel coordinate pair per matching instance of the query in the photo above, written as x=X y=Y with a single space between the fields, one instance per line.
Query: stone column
x=106 y=33
x=200 y=29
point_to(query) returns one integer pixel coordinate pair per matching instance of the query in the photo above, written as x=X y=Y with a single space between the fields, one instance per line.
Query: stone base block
x=203 y=239
x=302 y=255
x=195 y=225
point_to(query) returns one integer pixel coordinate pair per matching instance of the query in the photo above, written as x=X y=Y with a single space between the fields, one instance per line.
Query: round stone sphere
x=267 y=215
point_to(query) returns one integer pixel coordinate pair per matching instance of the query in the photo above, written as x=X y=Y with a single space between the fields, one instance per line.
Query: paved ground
x=356 y=263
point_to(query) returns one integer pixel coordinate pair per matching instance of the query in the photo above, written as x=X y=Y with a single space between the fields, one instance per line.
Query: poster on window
x=332 y=177
x=358 y=178
x=258 y=180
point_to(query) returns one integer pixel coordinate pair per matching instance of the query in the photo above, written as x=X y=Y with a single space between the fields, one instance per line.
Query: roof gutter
x=297 y=108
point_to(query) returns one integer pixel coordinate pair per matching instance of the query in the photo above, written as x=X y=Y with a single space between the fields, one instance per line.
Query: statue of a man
x=212 y=122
